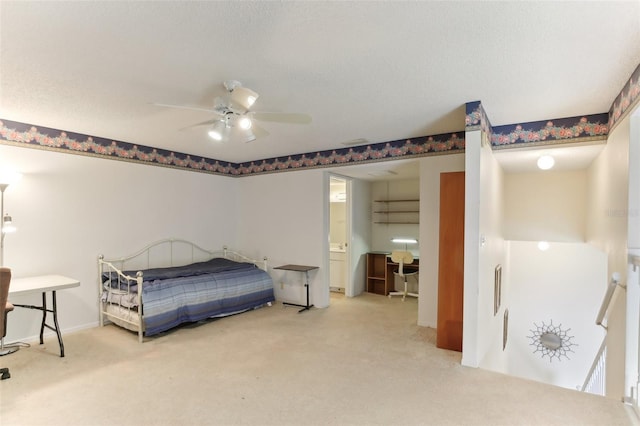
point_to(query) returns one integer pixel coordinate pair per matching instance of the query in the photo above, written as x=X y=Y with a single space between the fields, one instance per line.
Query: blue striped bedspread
x=173 y=301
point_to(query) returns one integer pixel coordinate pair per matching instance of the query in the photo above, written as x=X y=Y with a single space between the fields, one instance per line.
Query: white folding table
x=43 y=284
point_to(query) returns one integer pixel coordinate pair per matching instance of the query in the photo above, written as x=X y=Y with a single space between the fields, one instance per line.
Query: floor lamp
x=7 y=226
x=7 y=177
x=3 y=186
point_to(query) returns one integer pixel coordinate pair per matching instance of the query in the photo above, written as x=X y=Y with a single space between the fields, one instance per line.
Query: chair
x=5 y=307
x=402 y=258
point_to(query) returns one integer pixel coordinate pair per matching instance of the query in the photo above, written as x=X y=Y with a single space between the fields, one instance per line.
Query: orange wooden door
x=451 y=262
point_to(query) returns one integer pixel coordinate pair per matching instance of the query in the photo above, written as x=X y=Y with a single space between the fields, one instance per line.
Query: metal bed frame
x=163 y=253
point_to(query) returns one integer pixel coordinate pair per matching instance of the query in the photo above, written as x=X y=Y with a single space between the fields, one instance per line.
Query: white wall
x=71 y=208
x=634 y=180
x=537 y=206
x=563 y=285
x=632 y=345
x=360 y=233
x=607 y=211
x=632 y=320
x=484 y=249
x=473 y=153
x=430 y=169
x=285 y=216
x=546 y=205
x=492 y=253
x=607 y=202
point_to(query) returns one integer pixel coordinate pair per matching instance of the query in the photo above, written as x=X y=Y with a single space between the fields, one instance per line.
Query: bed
x=172 y=282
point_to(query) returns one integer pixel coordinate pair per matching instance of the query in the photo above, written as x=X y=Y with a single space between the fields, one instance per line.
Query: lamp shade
x=243 y=97
x=218 y=130
x=7 y=225
x=9 y=177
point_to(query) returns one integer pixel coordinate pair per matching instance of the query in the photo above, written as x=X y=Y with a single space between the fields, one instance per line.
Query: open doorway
x=339 y=235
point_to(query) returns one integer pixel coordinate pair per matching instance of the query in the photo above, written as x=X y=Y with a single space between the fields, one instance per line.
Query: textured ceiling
x=380 y=71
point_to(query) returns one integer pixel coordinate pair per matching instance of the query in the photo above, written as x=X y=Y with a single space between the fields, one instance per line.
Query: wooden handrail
x=608 y=296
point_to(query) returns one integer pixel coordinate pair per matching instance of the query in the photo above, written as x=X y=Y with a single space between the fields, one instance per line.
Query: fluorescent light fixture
x=402 y=240
x=546 y=162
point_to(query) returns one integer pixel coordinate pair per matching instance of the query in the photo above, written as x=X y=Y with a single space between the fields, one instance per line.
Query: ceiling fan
x=234 y=117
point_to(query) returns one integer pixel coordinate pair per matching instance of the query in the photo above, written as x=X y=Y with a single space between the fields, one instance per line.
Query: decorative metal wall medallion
x=551 y=340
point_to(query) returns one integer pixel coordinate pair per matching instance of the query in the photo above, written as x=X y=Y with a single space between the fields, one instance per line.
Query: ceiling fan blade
x=204 y=123
x=258 y=131
x=196 y=108
x=248 y=136
x=282 y=117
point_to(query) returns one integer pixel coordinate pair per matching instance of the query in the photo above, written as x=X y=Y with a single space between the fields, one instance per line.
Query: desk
x=300 y=268
x=380 y=267
x=43 y=284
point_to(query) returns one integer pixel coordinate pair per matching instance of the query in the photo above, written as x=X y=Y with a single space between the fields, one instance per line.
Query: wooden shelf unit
x=380 y=278
x=402 y=212
x=376 y=273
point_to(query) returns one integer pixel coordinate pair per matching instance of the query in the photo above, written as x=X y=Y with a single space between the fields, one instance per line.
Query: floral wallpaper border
x=23 y=134
x=415 y=147
x=476 y=118
x=626 y=99
x=562 y=130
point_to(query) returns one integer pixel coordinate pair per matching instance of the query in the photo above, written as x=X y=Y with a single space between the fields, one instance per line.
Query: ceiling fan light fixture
x=243 y=97
x=233 y=117
x=245 y=123
x=217 y=130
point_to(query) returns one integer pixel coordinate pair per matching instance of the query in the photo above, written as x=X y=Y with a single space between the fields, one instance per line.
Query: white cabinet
x=337 y=270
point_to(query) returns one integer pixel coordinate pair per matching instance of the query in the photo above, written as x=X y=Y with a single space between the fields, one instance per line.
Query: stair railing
x=595 y=381
x=596 y=378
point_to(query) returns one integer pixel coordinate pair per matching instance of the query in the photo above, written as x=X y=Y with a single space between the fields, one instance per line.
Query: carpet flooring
x=362 y=361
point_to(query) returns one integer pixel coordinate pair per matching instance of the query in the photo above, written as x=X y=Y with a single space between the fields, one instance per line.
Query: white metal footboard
x=120 y=304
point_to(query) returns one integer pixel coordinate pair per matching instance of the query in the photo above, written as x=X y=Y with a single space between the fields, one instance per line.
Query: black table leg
x=44 y=316
x=306 y=284
x=54 y=311
x=307 y=306
x=44 y=324
x=55 y=322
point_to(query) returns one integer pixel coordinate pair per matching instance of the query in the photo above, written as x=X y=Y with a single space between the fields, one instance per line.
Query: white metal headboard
x=175 y=252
